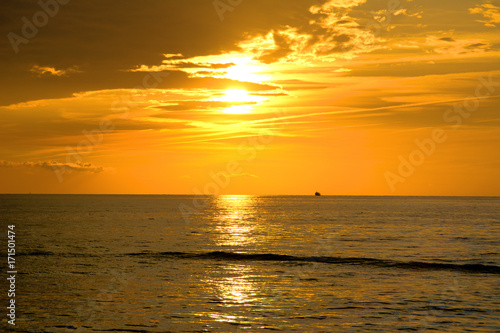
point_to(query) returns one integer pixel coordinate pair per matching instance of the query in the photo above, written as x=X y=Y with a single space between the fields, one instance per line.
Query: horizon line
x=261 y=195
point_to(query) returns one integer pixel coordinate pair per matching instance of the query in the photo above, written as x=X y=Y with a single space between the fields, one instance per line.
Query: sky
x=344 y=97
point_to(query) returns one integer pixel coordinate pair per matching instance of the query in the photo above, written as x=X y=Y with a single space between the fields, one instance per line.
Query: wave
x=235 y=256
x=35 y=253
x=413 y=265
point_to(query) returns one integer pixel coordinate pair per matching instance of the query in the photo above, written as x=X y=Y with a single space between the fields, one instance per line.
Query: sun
x=240 y=96
x=236 y=95
x=246 y=72
x=244 y=69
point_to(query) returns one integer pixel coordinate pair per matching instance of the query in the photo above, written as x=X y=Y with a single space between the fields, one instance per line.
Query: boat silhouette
x=317 y=194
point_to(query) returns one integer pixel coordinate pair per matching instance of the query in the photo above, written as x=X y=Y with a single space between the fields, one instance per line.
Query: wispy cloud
x=51 y=165
x=245 y=174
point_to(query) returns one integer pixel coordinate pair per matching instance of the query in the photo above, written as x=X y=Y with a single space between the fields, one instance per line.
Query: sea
x=237 y=263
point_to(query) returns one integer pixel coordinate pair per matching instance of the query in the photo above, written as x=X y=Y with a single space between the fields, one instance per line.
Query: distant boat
x=317 y=194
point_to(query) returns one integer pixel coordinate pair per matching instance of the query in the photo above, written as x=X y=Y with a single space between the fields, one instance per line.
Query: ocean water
x=125 y=263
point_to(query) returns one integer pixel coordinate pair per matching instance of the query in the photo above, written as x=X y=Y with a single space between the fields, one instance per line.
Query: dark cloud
x=188 y=64
x=476 y=46
x=282 y=49
x=343 y=22
x=447 y=39
x=342 y=38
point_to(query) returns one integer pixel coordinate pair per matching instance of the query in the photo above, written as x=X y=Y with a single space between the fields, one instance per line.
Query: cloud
x=281 y=48
x=456 y=47
x=447 y=39
x=332 y=34
x=44 y=129
x=328 y=34
x=382 y=16
x=51 y=71
x=245 y=174
x=193 y=66
x=187 y=40
x=334 y=4
x=52 y=165
x=489 y=11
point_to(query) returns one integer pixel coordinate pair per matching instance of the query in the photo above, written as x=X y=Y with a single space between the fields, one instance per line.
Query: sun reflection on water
x=239 y=289
x=236 y=222
x=234 y=288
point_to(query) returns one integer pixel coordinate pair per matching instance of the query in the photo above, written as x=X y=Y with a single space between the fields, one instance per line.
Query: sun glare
x=244 y=102
x=246 y=72
x=245 y=69
x=240 y=96
x=235 y=95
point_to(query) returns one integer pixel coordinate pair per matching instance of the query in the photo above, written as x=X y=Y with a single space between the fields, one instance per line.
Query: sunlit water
x=253 y=263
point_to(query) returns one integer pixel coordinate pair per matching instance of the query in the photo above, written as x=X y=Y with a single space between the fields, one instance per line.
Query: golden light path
x=236 y=222
x=236 y=286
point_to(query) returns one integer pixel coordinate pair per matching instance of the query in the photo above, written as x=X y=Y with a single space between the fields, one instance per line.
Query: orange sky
x=354 y=97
